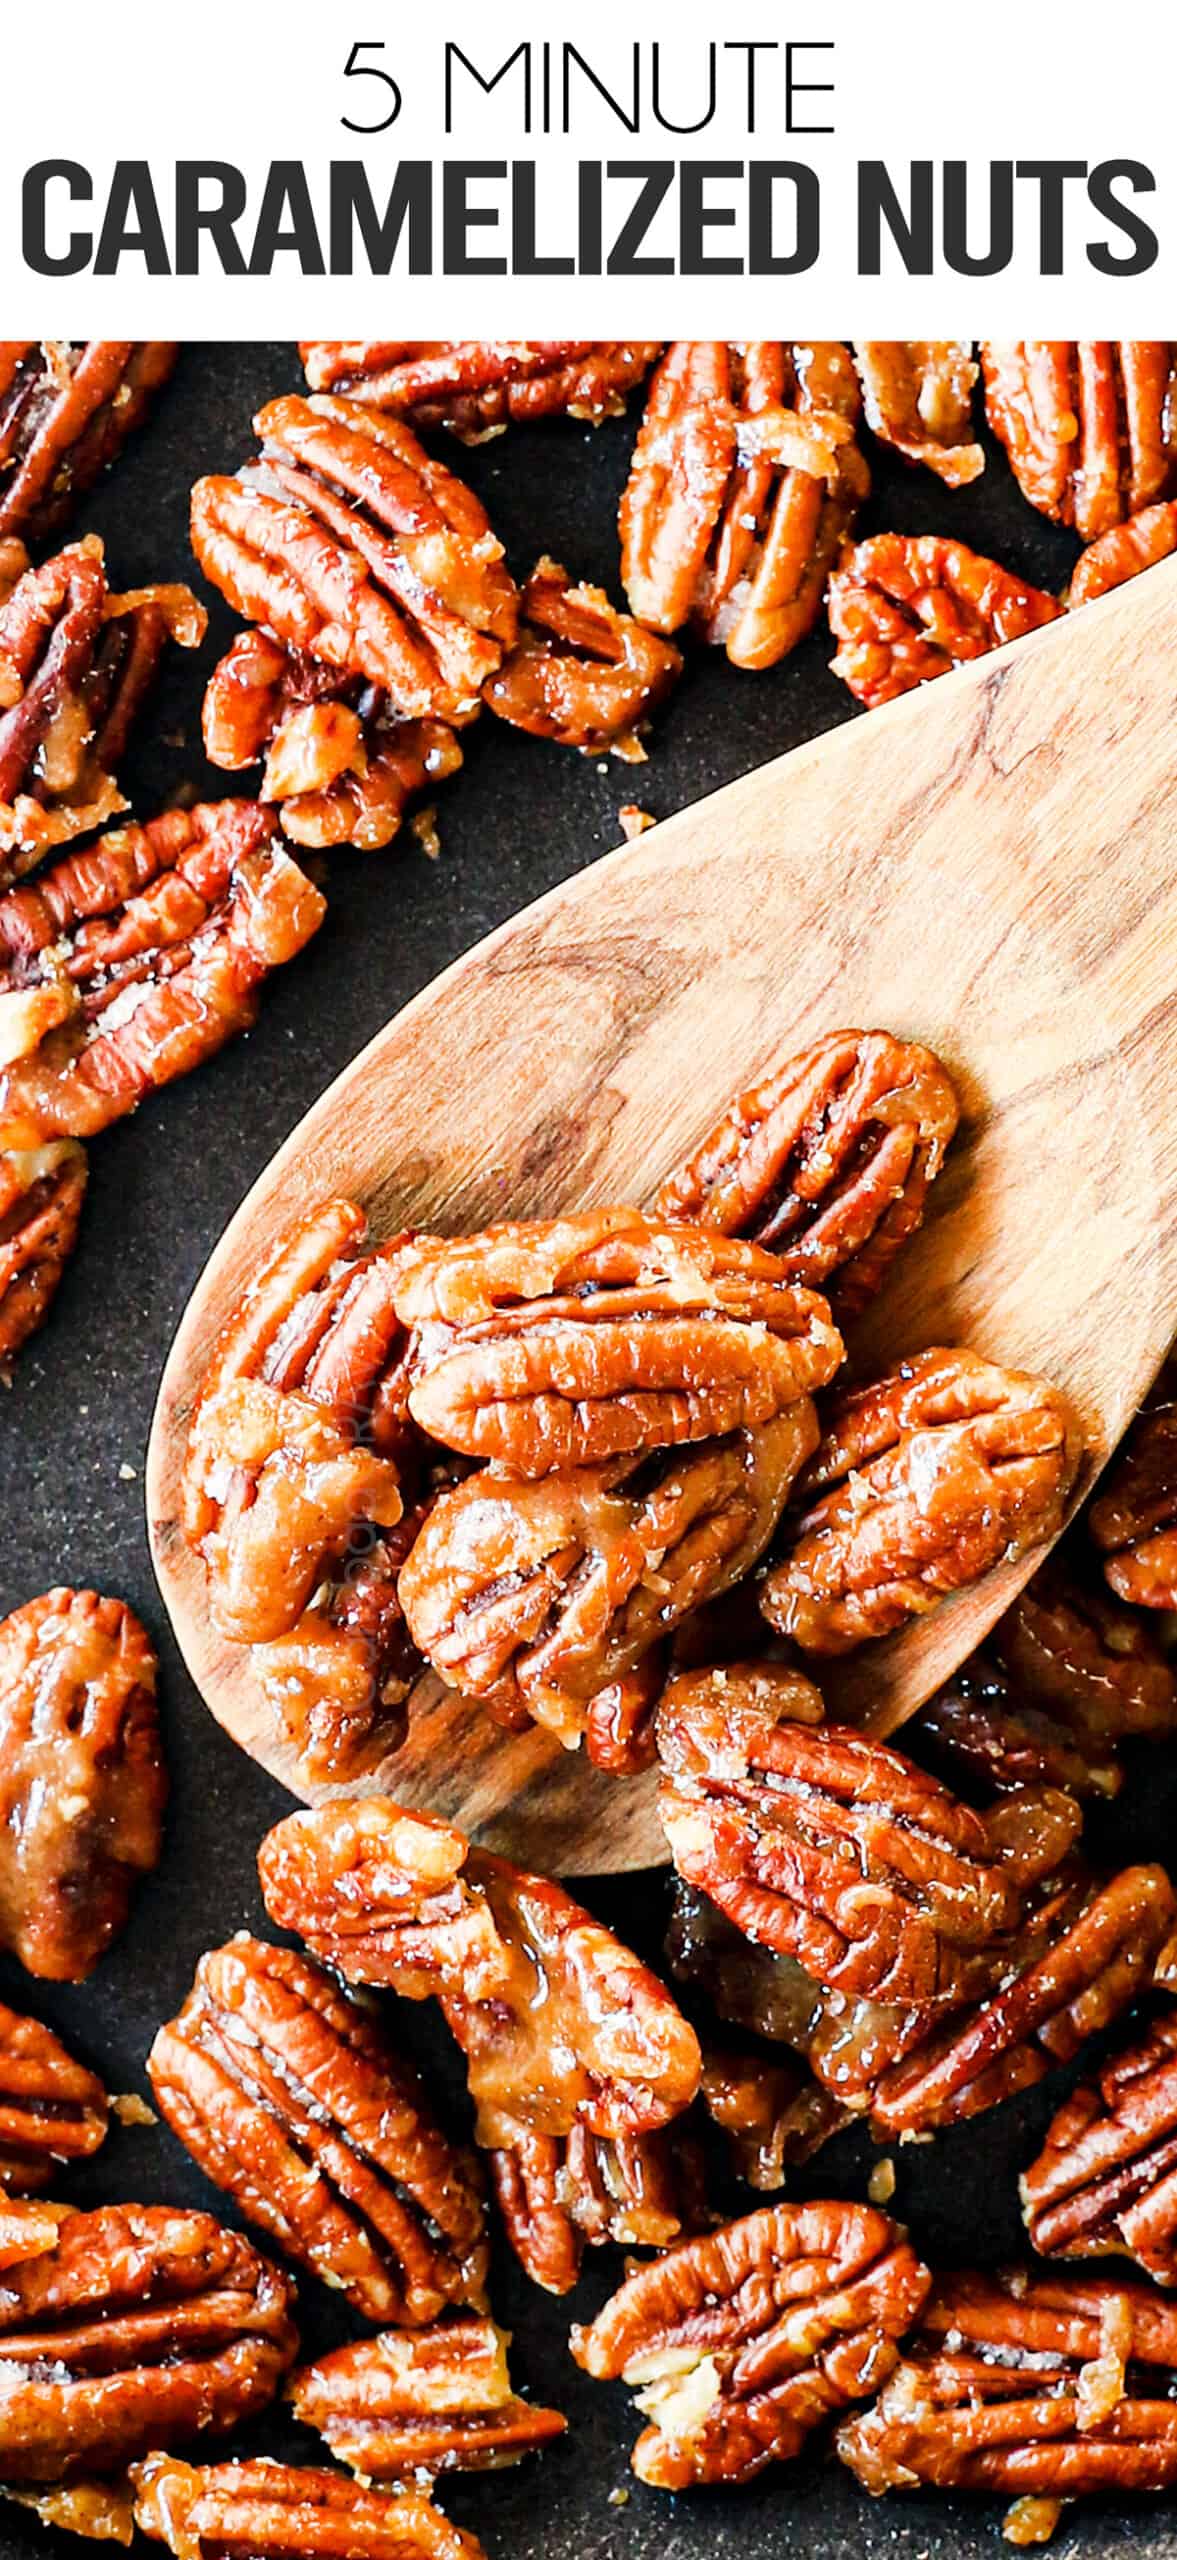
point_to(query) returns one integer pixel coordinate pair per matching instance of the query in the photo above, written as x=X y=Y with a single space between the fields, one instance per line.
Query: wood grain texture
x=988 y=866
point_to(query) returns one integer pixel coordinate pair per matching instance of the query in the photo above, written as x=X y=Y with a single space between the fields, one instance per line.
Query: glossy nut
x=399 y=2406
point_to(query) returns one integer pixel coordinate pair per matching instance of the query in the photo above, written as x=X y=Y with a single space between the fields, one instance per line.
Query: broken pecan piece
x=131 y=2327
x=82 y=1781
x=922 y=1482
x=1044 y=2008
x=279 y=2511
x=746 y=480
x=130 y=963
x=52 y=2110
x=580 y=672
x=41 y=1195
x=543 y=1597
x=905 y=607
x=558 y=2195
x=559 y=2023
x=739 y=2344
x=918 y=397
x=296 y=2105
x=828 y=1163
x=397 y=2406
x=340 y=767
x=1056 y=2386
x=564 y=1341
x=1105 y=2181
x=1090 y=429
x=75 y=665
x=477 y=387
x=1134 y=1517
x=1123 y=552
x=65 y=412
x=349 y=542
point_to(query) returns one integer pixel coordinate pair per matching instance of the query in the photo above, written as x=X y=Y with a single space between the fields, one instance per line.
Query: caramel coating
x=478 y=387
x=906 y=607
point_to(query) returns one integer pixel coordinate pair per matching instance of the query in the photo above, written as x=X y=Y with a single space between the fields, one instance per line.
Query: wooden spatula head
x=987 y=866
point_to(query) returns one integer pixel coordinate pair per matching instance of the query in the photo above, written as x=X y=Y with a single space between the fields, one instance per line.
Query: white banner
x=225 y=171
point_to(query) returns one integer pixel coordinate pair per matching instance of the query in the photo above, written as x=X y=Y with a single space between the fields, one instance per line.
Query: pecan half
x=348 y=541
x=297 y=2106
x=905 y=607
x=1105 y=2181
x=558 y=2195
x=75 y=665
x=1134 y=1517
x=827 y=1846
x=580 y=672
x=65 y=412
x=564 y=1341
x=774 y=2113
x=542 y=1597
x=128 y=964
x=340 y=767
x=52 y=2110
x=828 y=1163
x=1123 y=552
x=1058 y=2386
x=918 y=397
x=739 y=2343
x=82 y=1781
x=397 y=2406
x=746 y=480
x=41 y=1195
x=278 y=2511
x=476 y=387
x=922 y=1482
x=1042 y=2011
x=1090 y=429
x=132 y=2327
x=559 y=2023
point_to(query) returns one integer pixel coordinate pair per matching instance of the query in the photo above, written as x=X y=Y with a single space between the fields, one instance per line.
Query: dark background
x=519 y=818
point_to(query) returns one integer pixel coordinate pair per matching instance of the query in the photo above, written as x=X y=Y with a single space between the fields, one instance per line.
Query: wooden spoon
x=989 y=865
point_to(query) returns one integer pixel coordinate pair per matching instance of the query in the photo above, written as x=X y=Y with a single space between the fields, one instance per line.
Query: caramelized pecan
x=1045 y=2006
x=348 y=541
x=275 y=2511
x=1090 y=429
x=296 y=2105
x=746 y=480
x=75 y=665
x=922 y=1482
x=773 y=2111
x=476 y=387
x=1105 y=2181
x=1134 y=1518
x=558 y=2194
x=580 y=672
x=128 y=964
x=904 y=607
x=397 y=2406
x=619 y=1725
x=41 y=1195
x=564 y=1341
x=132 y=2327
x=65 y=412
x=739 y=2343
x=827 y=1846
x=559 y=2023
x=52 y=2110
x=340 y=766
x=547 y=1599
x=1055 y=2386
x=82 y=1783
x=828 y=1163
x=1123 y=552
x=918 y=397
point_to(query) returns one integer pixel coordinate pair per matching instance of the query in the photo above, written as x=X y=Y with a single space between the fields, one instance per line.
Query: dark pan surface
x=521 y=817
